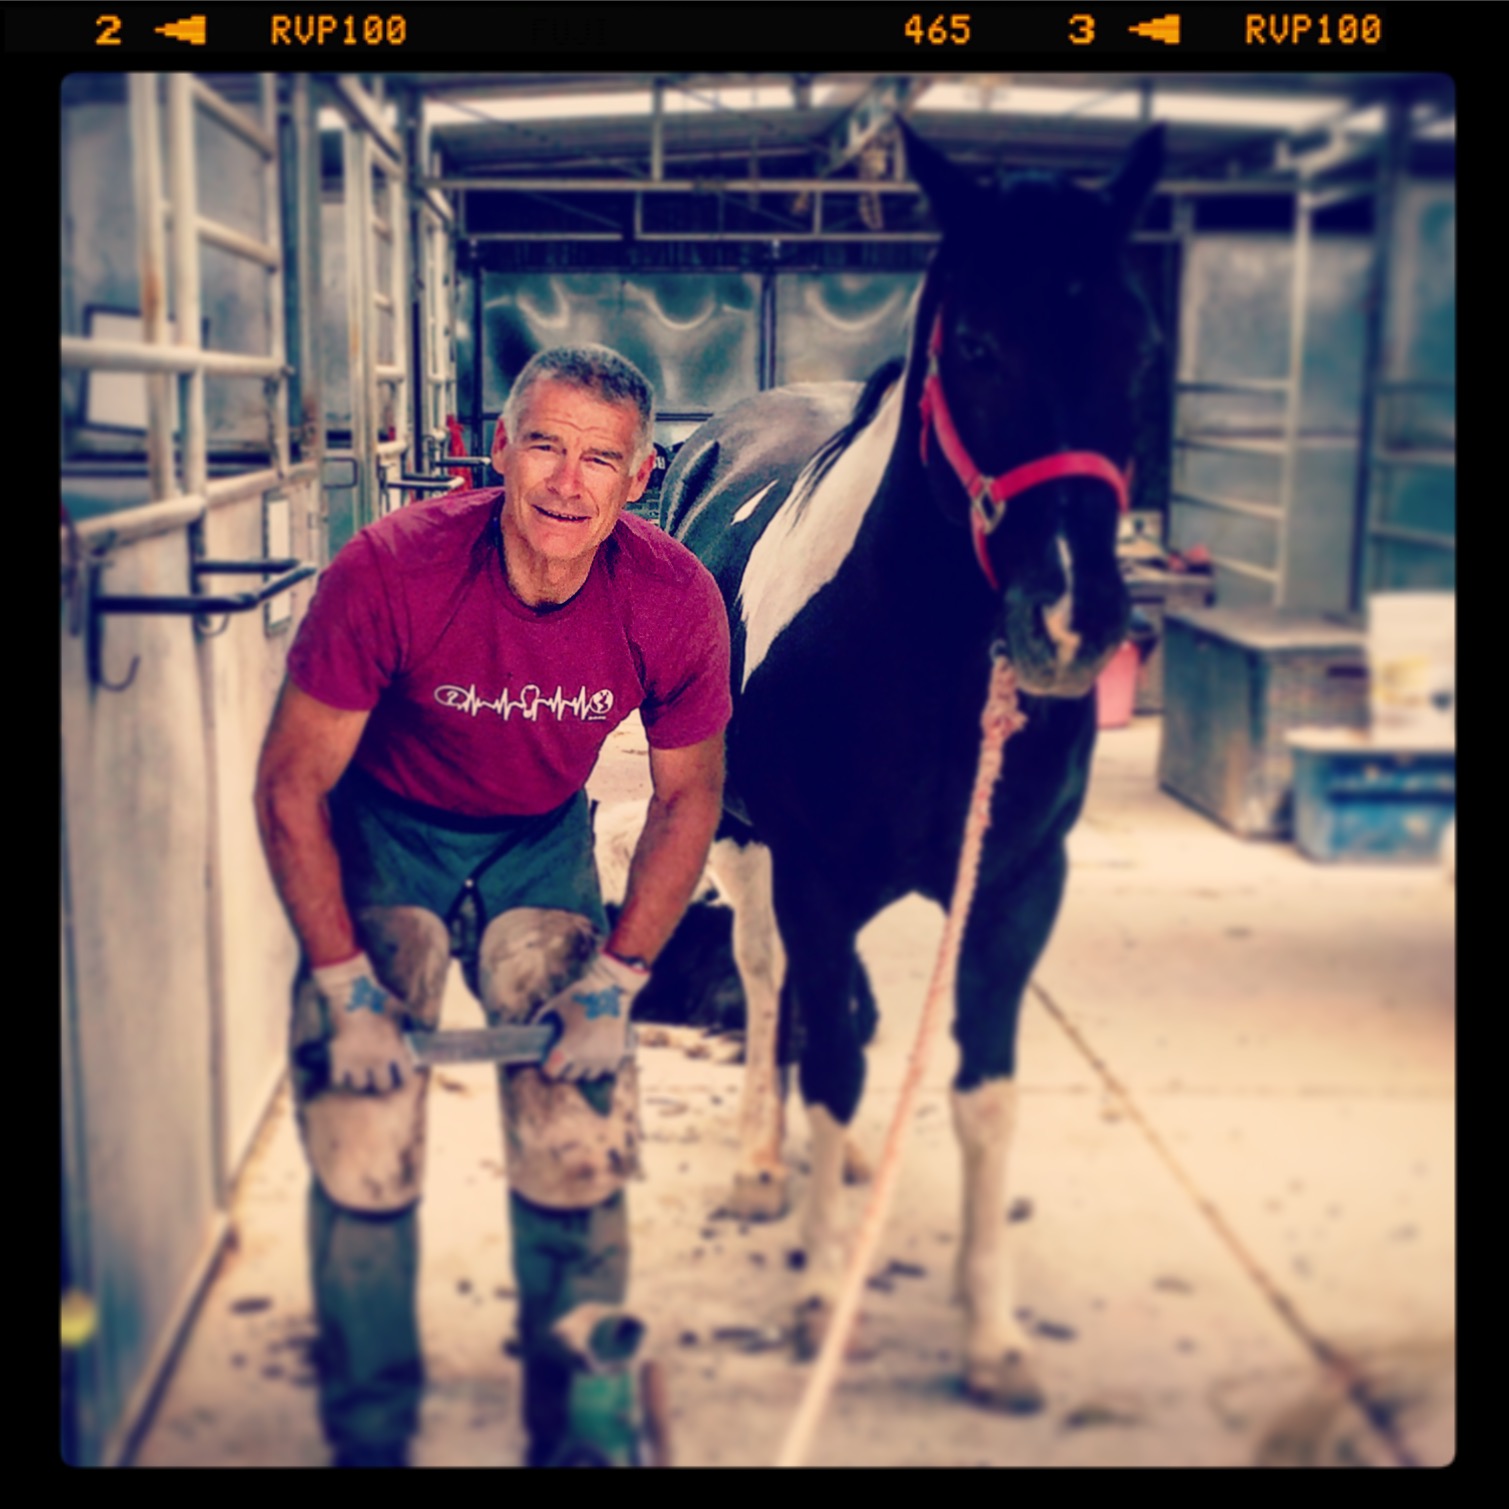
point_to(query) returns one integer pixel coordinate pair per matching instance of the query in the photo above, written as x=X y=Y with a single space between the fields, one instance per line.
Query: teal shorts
x=395 y=852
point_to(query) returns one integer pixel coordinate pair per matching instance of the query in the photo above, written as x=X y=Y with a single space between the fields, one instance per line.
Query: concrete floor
x=1233 y=1186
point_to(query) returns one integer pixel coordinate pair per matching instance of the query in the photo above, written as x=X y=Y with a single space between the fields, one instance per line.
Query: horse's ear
x=949 y=191
x=1132 y=185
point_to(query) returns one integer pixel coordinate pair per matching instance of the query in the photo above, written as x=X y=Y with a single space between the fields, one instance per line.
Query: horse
x=873 y=543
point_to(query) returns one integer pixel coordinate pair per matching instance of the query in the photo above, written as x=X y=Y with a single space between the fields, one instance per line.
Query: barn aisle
x=1233 y=1186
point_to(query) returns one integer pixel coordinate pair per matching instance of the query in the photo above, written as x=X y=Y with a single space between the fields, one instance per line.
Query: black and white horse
x=872 y=545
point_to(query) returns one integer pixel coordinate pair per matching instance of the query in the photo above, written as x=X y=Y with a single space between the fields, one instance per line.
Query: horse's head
x=1036 y=342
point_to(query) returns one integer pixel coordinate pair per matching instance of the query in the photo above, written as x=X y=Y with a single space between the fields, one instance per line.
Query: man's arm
x=672 y=851
x=308 y=747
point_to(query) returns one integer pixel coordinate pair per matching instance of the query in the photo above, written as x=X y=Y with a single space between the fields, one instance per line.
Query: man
x=421 y=790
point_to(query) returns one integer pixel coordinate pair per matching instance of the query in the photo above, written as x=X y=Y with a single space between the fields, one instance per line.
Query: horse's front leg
x=832 y=1073
x=760 y=1180
x=1008 y=929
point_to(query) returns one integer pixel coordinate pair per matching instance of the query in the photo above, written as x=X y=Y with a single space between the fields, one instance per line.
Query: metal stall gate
x=1314 y=451
x=1407 y=490
x=368 y=298
x=191 y=522
x=434 y=302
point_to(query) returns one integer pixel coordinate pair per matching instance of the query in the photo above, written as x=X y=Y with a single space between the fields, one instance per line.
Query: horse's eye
x=972 y=349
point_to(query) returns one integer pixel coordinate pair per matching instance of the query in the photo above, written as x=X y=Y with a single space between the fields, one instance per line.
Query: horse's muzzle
x=1050 y=657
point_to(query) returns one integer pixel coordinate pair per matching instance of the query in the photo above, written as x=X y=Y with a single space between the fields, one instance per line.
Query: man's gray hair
x=611 y=377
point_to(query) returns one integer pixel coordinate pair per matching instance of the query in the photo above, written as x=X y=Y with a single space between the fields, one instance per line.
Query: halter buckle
x=986 y=508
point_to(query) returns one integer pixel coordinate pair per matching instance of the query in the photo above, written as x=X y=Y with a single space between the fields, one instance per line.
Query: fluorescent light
x=1126 y=104
x=539 y=107
x=732 y=97
x=1012 y=99
x=636 y=102
x=1247 y=110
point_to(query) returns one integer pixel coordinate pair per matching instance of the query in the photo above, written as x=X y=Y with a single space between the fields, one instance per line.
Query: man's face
x=567 y=472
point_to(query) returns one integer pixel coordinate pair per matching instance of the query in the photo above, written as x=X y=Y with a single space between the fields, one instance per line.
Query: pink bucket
x=1116 y=688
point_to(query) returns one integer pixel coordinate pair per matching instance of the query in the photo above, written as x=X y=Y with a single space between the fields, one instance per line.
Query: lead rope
x=998 y=722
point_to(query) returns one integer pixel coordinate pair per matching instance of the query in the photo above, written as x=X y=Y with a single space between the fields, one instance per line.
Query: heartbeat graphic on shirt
x=591 y=709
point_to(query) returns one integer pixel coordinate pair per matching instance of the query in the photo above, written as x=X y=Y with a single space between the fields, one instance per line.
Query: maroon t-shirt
x=482 y=706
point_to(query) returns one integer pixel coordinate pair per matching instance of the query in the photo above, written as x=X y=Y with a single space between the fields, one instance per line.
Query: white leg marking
x=1058 y=618
x=819 y=1218
x=804 y=544
x=744 y=877
x=984 y=1120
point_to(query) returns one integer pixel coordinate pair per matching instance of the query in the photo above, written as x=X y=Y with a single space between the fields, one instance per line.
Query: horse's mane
x=875 y=388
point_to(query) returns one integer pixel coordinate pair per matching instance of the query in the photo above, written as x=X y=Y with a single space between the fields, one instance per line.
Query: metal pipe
x=1299 y=296
x=248 y=484
x=423 y=484
x=132 y=524
x=306 y=387
x=213 y=233
x=182 y=192
x=277 y=308
x=213 y=103
x=1266 y=511
x=1231 y=447
x=657 y=131
x=128 y=525
x=1251 y=385
x=778 y=237
x=362 y=114
x=1214 y=188
x=357 y=176
x=1444 y=458
x=559 y=236
x=398 y=291
x=1242 y=568
x=146 y=167
x=1425 y=537
x=767 y=329
x=1374 y=351
x=136 y=356
x=197 y=605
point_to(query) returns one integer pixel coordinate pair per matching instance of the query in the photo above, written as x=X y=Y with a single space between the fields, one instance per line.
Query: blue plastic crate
x=1359 y=798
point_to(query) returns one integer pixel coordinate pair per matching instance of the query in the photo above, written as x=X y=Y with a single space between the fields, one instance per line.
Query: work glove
x=366 y=1050
x=592 y=1017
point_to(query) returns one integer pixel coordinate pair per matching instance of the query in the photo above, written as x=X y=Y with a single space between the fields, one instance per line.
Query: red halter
x=989 y=495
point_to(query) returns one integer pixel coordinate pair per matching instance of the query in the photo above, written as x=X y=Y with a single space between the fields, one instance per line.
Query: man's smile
x=562 y=518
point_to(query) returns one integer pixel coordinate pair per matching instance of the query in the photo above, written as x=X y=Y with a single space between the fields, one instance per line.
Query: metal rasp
x=512 y=1043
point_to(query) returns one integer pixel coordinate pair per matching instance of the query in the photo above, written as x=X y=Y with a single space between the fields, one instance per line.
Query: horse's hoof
x=1008 y=1383
x=857 y=1168
x=814 y=1318
x=759 y=1197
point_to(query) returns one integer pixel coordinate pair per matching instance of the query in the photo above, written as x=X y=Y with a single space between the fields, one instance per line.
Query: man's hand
x=593 y=1016
x=367 y=1050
